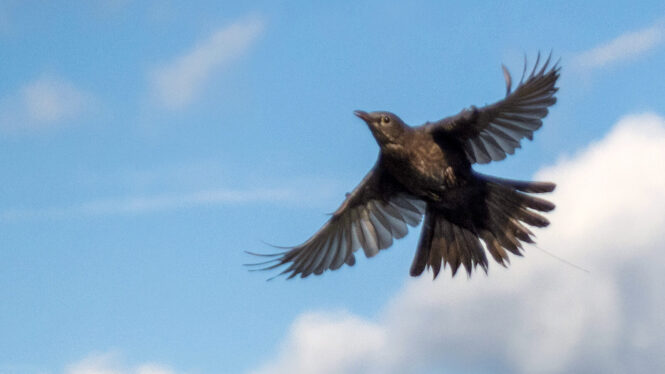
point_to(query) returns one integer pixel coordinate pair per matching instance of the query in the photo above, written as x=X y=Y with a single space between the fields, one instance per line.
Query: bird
x=426 y=171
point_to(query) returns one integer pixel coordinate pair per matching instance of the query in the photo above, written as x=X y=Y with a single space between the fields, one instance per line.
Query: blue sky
x=145 y=145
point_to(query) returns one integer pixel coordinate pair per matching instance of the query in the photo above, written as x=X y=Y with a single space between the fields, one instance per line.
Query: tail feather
x=438 y=247
x=476 y=250
x=425 y=248
x=462 y=248
x=495 y=248
x=494 y=210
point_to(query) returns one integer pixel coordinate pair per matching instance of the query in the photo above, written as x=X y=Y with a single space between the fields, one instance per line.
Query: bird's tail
x=494 y=210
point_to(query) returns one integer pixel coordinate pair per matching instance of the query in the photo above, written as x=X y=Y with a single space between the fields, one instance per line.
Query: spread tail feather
x=493 y=210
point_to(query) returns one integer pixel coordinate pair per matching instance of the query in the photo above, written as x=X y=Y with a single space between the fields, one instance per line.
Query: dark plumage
x=427 y=170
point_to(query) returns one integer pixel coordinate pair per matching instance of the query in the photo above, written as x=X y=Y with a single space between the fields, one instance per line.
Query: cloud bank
x=626 y=46
x=44 y=103
x=538 y=316
x=176 y=84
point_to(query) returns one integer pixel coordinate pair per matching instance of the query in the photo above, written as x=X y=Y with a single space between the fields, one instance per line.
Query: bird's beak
x=363 y=115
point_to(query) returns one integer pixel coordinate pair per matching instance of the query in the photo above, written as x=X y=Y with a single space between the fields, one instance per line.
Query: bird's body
x=425 y=167
x=427 y=170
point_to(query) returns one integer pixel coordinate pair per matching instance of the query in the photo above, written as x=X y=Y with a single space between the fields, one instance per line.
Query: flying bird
x=427 y=170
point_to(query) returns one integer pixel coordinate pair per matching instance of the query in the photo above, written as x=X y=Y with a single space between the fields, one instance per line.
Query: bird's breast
x=423 y=168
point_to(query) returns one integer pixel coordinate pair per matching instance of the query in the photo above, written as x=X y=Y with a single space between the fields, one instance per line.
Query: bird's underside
x=426 y=171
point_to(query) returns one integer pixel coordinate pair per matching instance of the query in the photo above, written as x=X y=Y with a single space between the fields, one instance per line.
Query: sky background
x=145 y=145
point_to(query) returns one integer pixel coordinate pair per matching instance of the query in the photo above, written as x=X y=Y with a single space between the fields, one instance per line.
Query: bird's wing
x=377 y=211
x=491 y=132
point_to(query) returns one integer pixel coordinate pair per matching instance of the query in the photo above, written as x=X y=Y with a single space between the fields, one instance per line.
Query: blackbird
x=427 y=170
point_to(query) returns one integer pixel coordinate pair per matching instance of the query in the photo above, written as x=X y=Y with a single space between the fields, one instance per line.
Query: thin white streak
x=153 y=203
x=110 y=363
x=626 y=46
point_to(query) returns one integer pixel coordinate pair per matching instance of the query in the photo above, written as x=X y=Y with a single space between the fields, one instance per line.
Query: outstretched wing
x=377 y=211
x=491 y=132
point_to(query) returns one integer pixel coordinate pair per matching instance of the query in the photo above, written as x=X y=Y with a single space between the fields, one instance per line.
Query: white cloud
x=626 y=46
x=176 y=84
x=331 y=344
x=45 y=102
x=539 y=315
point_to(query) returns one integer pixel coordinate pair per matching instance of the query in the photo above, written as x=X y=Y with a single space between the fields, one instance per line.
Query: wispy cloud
x=43 y=103
x=175 y=84
x=95 y=363
x=538 y=316
x=152 y=203
x=111 y=364
x=626 y=46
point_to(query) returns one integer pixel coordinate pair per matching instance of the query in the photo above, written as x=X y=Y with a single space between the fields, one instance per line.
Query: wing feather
x=377 y=211
x=492 y=132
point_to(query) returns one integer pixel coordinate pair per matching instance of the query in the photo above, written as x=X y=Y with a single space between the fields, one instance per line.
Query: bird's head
x=386 y=127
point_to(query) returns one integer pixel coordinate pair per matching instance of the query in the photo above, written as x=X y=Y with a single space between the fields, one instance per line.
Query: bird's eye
x=385 y=119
